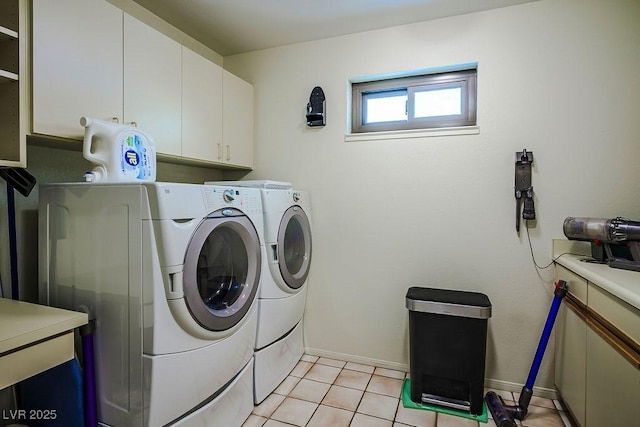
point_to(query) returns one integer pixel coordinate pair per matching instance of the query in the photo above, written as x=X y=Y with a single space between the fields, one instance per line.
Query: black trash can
x=447 y=346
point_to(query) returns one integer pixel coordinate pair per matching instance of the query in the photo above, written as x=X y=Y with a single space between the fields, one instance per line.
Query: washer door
x=222 y=270
x=294 y=247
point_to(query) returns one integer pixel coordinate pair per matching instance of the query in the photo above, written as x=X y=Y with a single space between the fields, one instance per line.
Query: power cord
x=533 y=258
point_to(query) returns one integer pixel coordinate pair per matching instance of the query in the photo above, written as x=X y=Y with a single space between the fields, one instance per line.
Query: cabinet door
x=570 y=361
x=613 y=386
x=201 y=107
x=77 y=64
x=152 y=84
x=237 y=120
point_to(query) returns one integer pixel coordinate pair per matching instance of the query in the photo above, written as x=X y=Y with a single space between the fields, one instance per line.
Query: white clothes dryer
x=283 y=288
x=170 y=272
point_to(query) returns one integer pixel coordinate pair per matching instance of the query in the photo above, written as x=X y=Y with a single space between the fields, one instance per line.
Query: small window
x=387 y=106
x=418 y=102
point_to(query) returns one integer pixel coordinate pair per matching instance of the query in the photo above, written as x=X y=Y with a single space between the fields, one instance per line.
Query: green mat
x=408 y=403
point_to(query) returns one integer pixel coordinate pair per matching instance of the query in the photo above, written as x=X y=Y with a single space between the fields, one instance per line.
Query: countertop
x=34 y=338
x=23 y=323
x=623 y=284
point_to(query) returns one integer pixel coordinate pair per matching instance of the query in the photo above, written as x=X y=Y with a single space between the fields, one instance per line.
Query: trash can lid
x=448 y=302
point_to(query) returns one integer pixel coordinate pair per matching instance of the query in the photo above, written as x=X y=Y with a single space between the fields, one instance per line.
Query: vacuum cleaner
x=619 y=237
x=503 y=415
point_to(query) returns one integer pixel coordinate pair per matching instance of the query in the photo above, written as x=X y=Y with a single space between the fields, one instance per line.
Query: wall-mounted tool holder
x=316 y=108
x=523 y=188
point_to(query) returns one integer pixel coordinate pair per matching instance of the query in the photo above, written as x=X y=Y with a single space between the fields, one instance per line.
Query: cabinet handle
x=134 y=124
x=228 y=152
x=219 y=151
x=115 y=120
x=617 y=339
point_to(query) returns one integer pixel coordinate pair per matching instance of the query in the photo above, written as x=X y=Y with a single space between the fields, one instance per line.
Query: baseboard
x=489 y=383
x=548 y=393
x=357 y=359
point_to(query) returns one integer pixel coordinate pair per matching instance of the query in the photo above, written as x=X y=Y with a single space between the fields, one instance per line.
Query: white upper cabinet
x=201 y=107
x=237 y=121
x=153 y=84
x=77 y=65
x=92 y=59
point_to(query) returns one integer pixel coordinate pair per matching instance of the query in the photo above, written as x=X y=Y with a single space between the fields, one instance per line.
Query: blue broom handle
x=561 y=291
x=13 y=246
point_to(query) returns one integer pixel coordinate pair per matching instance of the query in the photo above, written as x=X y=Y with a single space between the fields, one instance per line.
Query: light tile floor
x=323 y=392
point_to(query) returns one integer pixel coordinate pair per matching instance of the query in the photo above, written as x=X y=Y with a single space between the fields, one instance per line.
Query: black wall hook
x=316 y=108
x=523 y=188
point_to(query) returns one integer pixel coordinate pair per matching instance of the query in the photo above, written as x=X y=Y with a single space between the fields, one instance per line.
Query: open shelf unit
x=12 y=72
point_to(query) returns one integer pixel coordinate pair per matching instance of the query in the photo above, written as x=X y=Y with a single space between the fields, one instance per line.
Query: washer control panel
x=246 y=199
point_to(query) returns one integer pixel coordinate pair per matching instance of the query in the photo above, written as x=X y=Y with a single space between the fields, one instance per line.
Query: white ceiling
x=235 y=26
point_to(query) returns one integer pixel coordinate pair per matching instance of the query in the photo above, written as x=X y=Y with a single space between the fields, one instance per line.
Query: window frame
x=465 y=79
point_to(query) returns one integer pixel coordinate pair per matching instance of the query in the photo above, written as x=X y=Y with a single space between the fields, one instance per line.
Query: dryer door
x=222 y=269
x=294 y=247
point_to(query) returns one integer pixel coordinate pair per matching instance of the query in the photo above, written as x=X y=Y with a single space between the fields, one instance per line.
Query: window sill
x=413 y=133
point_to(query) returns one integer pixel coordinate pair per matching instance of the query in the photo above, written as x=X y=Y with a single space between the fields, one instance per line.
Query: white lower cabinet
x=613 y=386
x=597 y=348
x=571 y=361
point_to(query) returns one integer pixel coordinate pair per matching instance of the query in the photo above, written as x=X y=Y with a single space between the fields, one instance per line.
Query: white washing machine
x=171 y=273
x=283 y=288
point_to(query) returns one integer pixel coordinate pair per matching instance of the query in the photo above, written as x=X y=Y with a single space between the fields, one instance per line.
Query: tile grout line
x=323 y=396
x=364 y=390
x=333 y=383
x=353 y=413
x=561 y=414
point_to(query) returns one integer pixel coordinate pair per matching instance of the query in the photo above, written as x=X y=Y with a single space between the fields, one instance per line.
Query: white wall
x=558 y=77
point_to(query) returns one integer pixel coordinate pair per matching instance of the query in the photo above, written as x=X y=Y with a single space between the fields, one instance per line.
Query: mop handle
x=560 y=292
x=13 y=245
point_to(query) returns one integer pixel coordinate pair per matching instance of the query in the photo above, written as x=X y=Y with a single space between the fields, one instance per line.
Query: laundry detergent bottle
x=121 y=153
